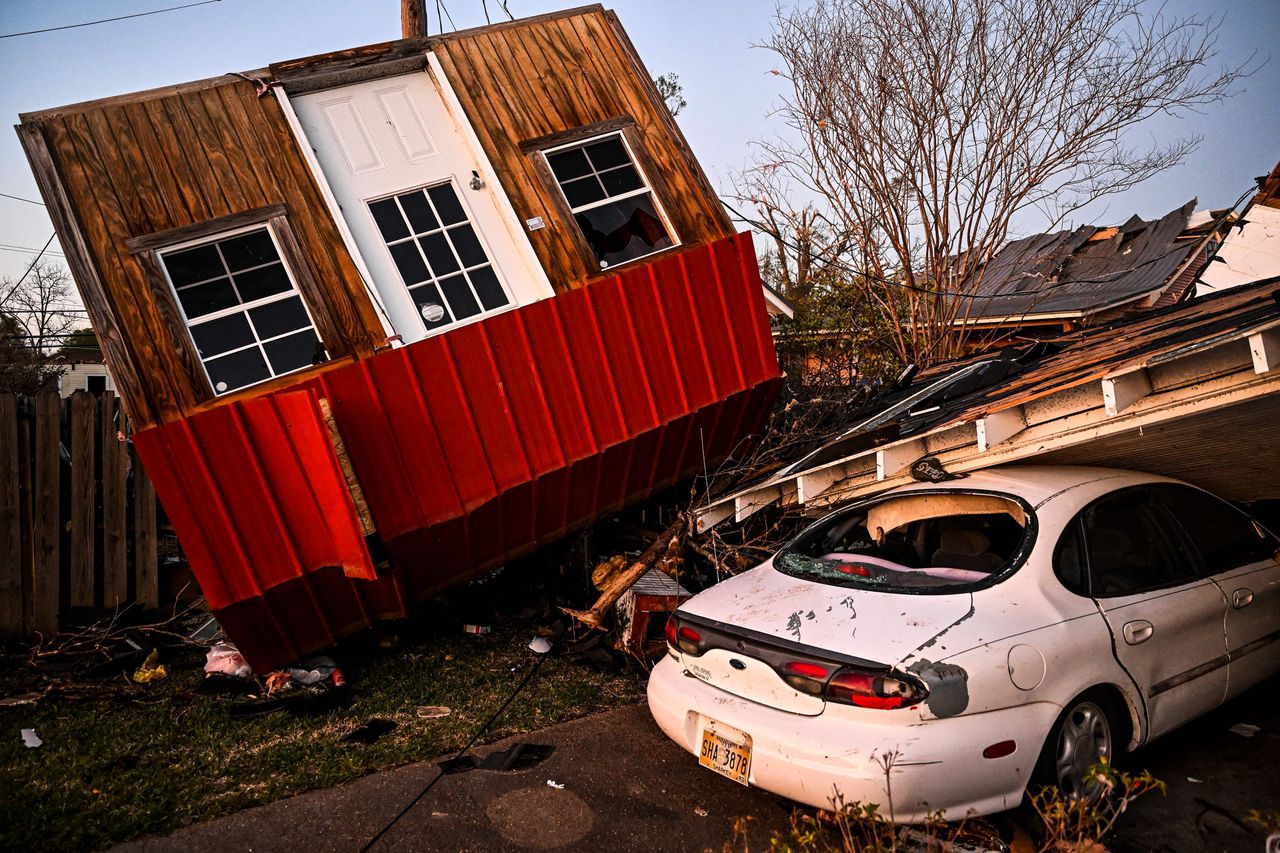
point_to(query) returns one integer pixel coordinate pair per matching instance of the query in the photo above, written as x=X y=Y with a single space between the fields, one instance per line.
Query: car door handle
x=1138 y=632
x=1241 y=598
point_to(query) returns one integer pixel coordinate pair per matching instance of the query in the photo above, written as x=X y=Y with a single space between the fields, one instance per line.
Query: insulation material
x=892 y=514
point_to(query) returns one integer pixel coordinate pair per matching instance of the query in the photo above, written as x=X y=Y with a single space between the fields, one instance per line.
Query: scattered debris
x=1194 y=779
x=314 y=670
x=520 y=756
x=699 y=811
x=24 y=699
x=371 y=731
x=431 y=712
x=277 y=682
x=661 y=553
x=225 y=659
x=1244 y=729
x=208 y=629
x=551 y=783
x=540 y=645
x=30 y=739
x=151 y=669
x=476 y=630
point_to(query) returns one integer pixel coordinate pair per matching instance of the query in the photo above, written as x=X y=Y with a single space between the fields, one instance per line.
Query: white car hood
x=875 y=626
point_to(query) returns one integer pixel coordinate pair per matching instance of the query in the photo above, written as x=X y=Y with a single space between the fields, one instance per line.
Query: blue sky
x=708 y=43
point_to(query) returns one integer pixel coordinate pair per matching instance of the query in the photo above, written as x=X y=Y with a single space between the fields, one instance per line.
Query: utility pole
x=413 y=18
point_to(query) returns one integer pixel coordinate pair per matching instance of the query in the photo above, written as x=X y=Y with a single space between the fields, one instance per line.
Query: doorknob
x=1138 y=632
x=1241 y=598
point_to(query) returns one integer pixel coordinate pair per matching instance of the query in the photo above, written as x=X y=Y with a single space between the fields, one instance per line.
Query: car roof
x=1037 y=483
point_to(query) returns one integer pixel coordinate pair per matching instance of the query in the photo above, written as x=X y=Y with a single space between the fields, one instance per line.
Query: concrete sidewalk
x=626 y=787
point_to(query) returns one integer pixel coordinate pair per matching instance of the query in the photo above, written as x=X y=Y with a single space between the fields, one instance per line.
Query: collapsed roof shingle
x=1073 y=273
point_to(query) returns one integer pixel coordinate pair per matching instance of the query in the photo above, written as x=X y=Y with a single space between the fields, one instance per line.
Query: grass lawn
x=115 y=769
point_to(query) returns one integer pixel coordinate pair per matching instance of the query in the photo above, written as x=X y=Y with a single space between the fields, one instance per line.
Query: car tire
x=1088 y=729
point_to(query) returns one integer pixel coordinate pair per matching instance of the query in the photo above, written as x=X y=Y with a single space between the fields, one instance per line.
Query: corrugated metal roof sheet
x=471 y=447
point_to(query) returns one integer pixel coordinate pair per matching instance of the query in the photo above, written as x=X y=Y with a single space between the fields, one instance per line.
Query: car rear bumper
x=819 y=760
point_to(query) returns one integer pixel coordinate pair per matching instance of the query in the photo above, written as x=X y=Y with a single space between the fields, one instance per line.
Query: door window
x=1225 y=537
x=1131 y=548
x=440 y=259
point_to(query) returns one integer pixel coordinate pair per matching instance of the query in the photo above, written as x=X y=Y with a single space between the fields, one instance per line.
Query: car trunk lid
x=752 y=627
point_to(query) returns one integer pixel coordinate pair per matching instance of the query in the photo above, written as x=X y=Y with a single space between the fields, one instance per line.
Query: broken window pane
x=912 y=542
x=610 y=201
x=623 y=230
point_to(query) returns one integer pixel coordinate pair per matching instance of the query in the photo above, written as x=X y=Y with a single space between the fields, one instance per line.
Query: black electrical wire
x=34 y=261
x=108 y=20
x=20 y=198
x=474 y=737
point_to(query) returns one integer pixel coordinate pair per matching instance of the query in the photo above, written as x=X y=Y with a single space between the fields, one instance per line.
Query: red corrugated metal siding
x=471 y=447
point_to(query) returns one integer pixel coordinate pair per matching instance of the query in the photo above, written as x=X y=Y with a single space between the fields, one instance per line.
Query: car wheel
x=1082 y=736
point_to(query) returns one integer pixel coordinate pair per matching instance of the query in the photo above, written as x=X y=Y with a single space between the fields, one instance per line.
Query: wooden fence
x=78 y=527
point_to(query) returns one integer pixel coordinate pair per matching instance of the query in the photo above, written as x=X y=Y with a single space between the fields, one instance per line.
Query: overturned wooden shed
x=451 y=297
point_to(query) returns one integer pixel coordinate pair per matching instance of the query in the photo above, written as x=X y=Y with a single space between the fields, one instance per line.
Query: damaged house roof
x=1183 y=391
x=1075 y=274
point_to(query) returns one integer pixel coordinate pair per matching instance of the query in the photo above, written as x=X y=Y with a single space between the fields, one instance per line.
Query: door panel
x=1172 y=645
x=1166 y=619
x=388 y=139
x=1241 y=557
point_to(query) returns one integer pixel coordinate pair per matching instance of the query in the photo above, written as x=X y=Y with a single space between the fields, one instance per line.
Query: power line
x=108 y=20
x=20 y=198
x=27 y=249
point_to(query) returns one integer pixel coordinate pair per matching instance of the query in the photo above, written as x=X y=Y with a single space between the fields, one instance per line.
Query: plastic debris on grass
x=151 y=669
x=30 y=739
x=431 y=712
x=552 y=783
x=225 y=659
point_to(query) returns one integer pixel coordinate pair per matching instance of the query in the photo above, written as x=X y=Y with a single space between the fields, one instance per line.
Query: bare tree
x=919 y=129
x=671 y=92
x=35 y=317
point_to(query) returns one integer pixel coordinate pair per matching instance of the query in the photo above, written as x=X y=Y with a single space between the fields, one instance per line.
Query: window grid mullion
x=602 y=202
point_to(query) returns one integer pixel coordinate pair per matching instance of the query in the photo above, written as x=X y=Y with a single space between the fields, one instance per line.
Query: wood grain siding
x=118 y=170
x=545 y=76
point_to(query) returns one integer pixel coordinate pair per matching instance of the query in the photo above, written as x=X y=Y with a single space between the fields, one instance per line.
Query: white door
x=441 y=251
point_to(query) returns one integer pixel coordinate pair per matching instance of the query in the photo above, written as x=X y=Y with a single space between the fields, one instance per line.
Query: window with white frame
x=610 y=199
x=242 y=308
x=441 y=260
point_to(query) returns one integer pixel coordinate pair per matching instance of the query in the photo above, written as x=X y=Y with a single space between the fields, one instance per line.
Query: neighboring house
x=1045 y=284
x=386 y=317
x=84 y=371
x=1251 y=251
x=1191 y=390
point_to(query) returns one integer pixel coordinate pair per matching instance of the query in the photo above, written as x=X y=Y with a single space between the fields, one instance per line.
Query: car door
x=1242 y=559
x=1165 y=618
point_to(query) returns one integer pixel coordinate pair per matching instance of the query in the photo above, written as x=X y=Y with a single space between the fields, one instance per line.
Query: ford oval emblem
x=737 y=664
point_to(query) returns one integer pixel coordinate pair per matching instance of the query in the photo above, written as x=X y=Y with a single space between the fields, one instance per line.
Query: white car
x=977 y=634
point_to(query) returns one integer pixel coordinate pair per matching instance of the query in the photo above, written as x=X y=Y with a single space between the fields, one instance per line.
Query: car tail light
x=804 y=676
x=867 y=689
x=688 y=640
x=671 y=630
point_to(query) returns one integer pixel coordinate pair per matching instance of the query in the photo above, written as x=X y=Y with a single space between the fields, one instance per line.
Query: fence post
x=115 y=578
x=145 y=556
x=10 y=519
x=82 y=499
x=47 y=521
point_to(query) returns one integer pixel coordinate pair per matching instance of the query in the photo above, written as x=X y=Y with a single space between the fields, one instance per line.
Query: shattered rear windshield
x=914 y=542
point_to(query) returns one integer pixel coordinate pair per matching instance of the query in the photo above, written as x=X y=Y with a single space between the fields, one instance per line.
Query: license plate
x=726 y=751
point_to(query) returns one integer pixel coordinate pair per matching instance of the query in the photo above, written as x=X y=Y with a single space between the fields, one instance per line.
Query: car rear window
x=916 y=542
